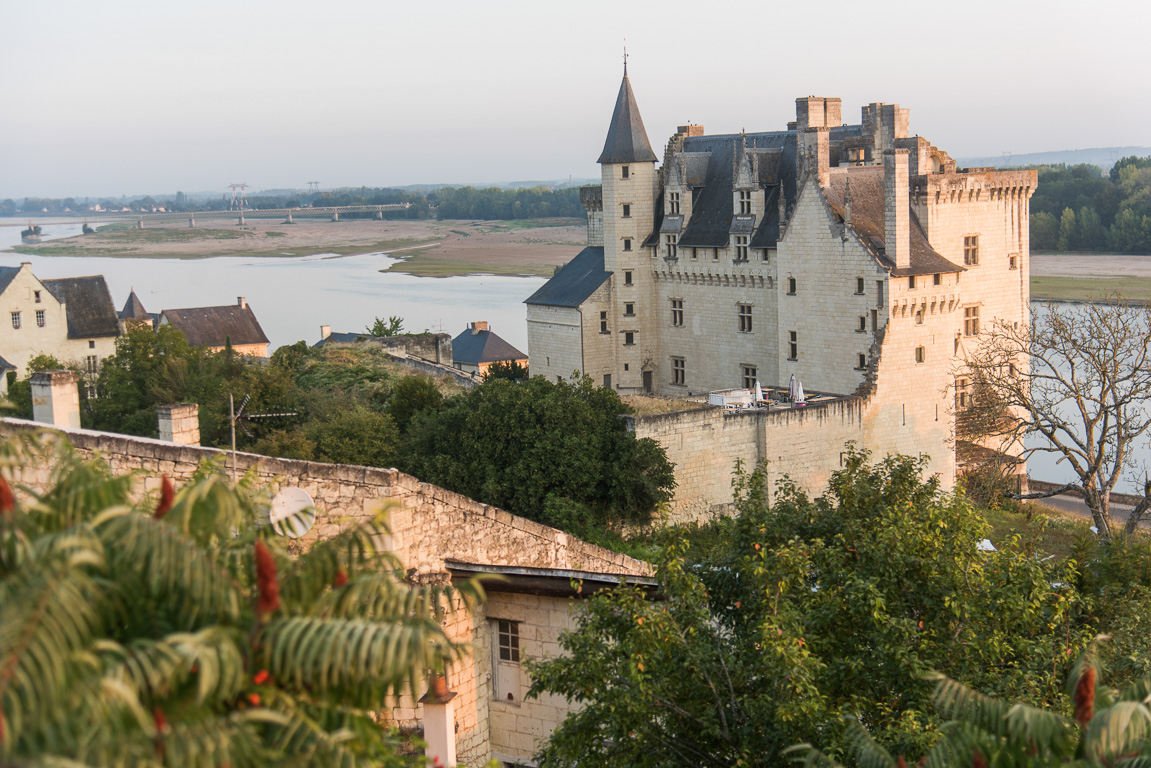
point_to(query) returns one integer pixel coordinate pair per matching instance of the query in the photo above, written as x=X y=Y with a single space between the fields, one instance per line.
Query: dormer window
x=745 y=201
x=671 y=241
x=673 y=203
x=625 y=172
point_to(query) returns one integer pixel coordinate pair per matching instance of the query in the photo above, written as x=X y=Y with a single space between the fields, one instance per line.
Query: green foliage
x=510 y=370
x=413 y=395
x=354 y=435
x=525 y=447
x=805 y=611
x=137 y=637
x=20 y=392
x=495 y=203
x=393 y=326
x=1077 y=208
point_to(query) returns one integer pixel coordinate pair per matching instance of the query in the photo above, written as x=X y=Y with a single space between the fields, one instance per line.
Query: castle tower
x=629 y=181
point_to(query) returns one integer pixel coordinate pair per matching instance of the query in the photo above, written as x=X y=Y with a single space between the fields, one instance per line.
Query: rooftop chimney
x=477 y=326
x=56 y=398
x=896 y=219
x=325 y=331
x=241 y=302
x=179 y=423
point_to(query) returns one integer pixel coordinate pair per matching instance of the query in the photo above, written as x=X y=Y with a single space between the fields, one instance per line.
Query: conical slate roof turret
x=134 y=308
x=626 y=138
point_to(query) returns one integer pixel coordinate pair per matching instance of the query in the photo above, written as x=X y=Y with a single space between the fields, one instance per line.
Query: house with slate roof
x=478 y=347
x=216 y=327
x=72 y=319
x=857 y=258
x=133 y=315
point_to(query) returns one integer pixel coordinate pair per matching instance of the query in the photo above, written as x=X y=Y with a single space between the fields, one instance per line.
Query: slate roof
x=6 y=276
x=88 y=306
x=134 y=309
x=573 y=283
x=626 y=138
x=6 y=366
x=483 y=347
x=347 y=338
x=868 y=220
x=213 y=326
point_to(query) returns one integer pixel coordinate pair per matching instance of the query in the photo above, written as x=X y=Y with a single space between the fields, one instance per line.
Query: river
x=292 y=297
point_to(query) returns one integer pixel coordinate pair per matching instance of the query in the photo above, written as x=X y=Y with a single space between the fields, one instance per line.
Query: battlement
x=972 y=186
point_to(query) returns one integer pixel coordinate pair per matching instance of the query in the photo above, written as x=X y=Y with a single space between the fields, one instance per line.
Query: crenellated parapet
x=973 y=186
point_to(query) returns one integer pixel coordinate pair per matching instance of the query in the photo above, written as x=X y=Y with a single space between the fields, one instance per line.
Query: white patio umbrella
x=758 y=392
x=798 y=399
x=793 y=388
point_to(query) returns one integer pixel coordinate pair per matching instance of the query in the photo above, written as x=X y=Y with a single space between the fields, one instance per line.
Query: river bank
x=1085 y=276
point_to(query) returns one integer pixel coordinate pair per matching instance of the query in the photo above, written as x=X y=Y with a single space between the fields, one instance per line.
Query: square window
x=750 y=376
x=971 y=249
x=678 y=371
x=911 y=282
x=938 y=279
x=627 y=210
x=792 y=345
x=625 y=172
x=971 y=321
x=509 y=640
x=791 y=285
x=627 y=277
x=628 y=338
x=37 y=295
x=627 y=243
x=1012 y=262
x=741 y=247
x=40 y=318
x=625 y=366
x=745 y=318
x=629 y=309
x=16 y=320
x=673 y=203
x=670 y=241
x=91 y=344
x=745 y=202
x=919 y=316
x=677 y=313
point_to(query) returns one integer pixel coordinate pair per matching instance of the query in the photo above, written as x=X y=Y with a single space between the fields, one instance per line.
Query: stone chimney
x=56 y=398
x=816 y=142
x=325 y=331
x=241 y=302
x=689 y=130
x=477 y=326
x=439 y=722
x=592 y=200
x=179 y=423
x=896 y=207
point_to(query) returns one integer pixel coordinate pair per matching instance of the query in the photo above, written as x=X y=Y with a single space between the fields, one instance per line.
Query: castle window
x=920 y=354
x=971 y=321
x=874 y=320
x=693 y=253
x=764 y=255
x=40 y=318
x=678 y=371
x=745 y=318
x=627 y=277
x=741 y=247
x=37 y=295
x=625 y=172
x=506 y=653
x=862 y=362
x=673 y=203
x=750 y=376
x=971 y=249
x=603 y=322
x=627 y=243
x=16 y=320
x=670 y=241
x=91 y=362
x=793 y=345
x=1012 y=262
x=938 y=279
x=919 y=316
x=627 y=210
x=745 y=201
x=629 y=338
x=677 y=313
x=911 y=282
x=715 y=254
x=791 y=286
x=629 y=309
x=91 y=344
x=859 y=286
x=962 y=396
x=862 y=324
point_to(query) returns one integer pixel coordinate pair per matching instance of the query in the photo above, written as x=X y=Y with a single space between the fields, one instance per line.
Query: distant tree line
x=444 y=203
x=1078 y=208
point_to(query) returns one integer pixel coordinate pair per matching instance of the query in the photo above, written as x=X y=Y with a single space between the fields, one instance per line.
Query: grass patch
x=653 y=405
x=1048 y=530
x=1086 y=288
x=275 y=234
x=505 y=226
x=427 y=263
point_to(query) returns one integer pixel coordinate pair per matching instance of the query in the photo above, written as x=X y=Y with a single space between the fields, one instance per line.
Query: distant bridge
x=191 y=217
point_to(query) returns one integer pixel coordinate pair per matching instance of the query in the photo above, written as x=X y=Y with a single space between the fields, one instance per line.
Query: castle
x=857 y=258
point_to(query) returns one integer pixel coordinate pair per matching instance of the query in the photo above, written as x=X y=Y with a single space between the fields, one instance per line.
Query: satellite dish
x=293 y=512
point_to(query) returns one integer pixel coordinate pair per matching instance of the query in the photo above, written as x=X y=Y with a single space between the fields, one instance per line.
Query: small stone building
x=477 y=348
x=215 y=327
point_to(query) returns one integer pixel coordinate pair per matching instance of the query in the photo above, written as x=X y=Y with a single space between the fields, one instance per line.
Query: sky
x=120 y=97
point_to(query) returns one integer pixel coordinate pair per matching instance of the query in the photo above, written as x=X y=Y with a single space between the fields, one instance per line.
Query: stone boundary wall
x=705 y=444
x=463 y=378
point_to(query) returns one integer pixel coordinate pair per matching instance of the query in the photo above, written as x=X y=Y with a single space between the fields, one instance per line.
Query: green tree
x=182 y=633
x=354 y=435
x=1068 y=235
x=1044 y=231
x=811 y=609
x=412 y=395
x=393 y=326
x=506 y=370
x=537 y=446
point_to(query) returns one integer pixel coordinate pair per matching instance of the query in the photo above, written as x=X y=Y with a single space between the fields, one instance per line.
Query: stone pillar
x=139 y=223
x=289 y=219
x=179 y=423
x=440 y=722
x=191 y=222
x=379 y=215
x=241 y=222
x=335 y=215
x=56 y=398
x=896 y=207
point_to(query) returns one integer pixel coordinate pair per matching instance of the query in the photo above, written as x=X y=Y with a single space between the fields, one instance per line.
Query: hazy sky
x=118 y=97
